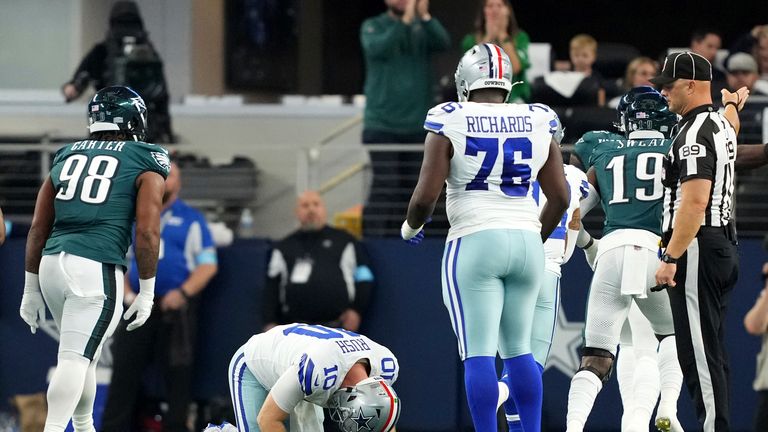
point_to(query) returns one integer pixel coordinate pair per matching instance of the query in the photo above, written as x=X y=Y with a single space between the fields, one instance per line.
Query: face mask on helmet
x=483 y=66
x=557 y=129
x=650 y=111
x=371 y=405
x=118 y=108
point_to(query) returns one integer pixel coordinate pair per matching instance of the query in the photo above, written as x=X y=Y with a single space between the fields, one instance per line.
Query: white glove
x=591 y=253
x=142 y=304
x=32 y=308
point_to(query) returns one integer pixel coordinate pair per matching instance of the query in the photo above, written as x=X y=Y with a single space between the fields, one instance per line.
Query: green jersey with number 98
x=629 y=173
x=95 y=203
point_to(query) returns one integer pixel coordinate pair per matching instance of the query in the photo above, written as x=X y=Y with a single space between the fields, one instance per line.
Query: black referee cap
x=684 y=65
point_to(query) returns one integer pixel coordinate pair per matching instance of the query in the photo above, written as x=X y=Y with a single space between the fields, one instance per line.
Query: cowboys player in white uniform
x=293 y=370
x=489 y=154
x=558 y=250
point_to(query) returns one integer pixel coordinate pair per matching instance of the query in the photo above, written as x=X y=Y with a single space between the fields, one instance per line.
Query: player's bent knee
x=598 y=361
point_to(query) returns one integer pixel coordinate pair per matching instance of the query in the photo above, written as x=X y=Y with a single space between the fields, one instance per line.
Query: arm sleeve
x=697 y=159
x=156 y=160
x=277 y=273
x=437 y=36
x=287 y=392
x=583 y=150
x=439 y=116
x=380 y=43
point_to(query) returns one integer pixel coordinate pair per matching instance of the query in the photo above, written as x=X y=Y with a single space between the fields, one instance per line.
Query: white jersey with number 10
x=498 y=150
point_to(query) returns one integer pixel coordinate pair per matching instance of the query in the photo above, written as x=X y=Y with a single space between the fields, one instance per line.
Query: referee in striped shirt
x=699 y=264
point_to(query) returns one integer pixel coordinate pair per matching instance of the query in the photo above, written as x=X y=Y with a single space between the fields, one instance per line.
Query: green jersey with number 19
x=95 y=204
x=629 y=173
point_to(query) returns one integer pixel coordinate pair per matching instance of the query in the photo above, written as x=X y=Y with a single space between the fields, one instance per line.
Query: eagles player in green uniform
x=76 y=247
x=626 y=173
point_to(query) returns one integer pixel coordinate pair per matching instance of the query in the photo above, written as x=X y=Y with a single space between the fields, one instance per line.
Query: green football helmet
x=650 y=111
x=118 y=108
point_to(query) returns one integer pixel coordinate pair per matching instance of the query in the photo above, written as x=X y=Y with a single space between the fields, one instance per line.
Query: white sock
x=585 y=386
x=646 y=392
x=671 y=377
x=65 y=390
x=625 y=375
x=82 y=418
x=503 y=394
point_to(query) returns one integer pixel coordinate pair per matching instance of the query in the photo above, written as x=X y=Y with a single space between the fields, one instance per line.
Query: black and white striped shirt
x=705 y=148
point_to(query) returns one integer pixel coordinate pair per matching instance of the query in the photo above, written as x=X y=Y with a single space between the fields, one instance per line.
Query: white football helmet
x=483 y=66
x=372 y=405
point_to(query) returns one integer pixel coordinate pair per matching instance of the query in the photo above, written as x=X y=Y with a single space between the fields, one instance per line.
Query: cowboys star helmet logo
x=362 y=421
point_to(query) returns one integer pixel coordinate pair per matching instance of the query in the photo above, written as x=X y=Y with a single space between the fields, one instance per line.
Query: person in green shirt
x=496 y=24
x=397 y=46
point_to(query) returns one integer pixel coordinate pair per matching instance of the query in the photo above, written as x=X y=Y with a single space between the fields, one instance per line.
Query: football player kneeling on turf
x=286 y=375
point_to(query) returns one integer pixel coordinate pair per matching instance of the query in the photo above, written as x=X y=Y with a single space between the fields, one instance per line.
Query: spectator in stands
x=583 y=53
x=496 y=24
x=756 y=43
x=2 y=228
x=761 y=51
x=397 y=46
x=706 y=42
x=186 y=265
x=742 y=72
x=318 y=274
x=756 y=323
x=127 y=57
x=639 y=72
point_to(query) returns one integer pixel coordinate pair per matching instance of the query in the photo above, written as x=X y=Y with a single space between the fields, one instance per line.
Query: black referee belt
x=728 y=231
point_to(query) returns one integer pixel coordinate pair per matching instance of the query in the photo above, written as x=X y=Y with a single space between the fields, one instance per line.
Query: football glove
x=32 y=308
x=142 y=308
x=413 y=236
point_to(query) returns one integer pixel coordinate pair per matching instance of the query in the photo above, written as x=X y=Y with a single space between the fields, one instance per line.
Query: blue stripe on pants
x=447 y=280
x=458 y=295
x=248 y=395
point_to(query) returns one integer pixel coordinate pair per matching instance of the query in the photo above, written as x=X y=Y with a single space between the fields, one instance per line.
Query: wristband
x=147 y=286
x=589 y=243
x=735 y=105
x=31 y=282
x=406 y=232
